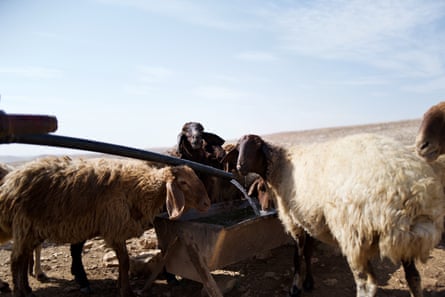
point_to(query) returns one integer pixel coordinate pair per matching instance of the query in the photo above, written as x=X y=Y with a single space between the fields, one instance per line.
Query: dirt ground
x=268 y=274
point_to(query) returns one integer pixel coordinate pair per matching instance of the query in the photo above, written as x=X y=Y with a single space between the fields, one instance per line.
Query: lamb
x=365 y=193
x=430 y=140
x=69 y=200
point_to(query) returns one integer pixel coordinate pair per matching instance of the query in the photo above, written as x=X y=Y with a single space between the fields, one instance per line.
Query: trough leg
x=159 y=267
x=413 y=278
x=201 y=267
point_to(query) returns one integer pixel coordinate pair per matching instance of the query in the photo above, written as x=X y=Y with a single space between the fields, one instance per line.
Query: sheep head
x=430 y=140
x=192 y=133
x=252 y=155
x=259 y=189
x=185 y=190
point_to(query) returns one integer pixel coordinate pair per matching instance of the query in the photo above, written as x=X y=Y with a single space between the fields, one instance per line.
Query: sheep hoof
x=4 y=287
x=308 y=284
x=295 y=292
x=42 y=277
x=86 y=290
x=171 y=279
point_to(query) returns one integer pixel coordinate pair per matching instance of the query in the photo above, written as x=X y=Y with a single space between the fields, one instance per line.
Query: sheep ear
x=213 y=139
x=229 y=160
x=175 y=201
x=259 y=189
x=181 y=139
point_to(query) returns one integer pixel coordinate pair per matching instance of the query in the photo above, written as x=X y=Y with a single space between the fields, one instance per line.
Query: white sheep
x=367 y=194
x=69 y=200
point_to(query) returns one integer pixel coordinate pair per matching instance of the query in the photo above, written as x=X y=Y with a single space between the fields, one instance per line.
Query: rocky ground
x=267 y=274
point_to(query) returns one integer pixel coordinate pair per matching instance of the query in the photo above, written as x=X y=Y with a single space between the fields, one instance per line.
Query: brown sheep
x=430 y=140
x=69 y=200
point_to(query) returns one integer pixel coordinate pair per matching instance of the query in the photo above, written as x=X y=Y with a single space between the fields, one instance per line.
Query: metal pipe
x=11 y=124
x=107 y=148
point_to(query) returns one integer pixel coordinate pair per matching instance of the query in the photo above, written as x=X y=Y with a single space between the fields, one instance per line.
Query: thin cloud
x=378 y=33
x=154 y=75
x=220 y=93
x=437 y=84
x=257 y=56
x=31 y=72
x=148 y=79
x=213 y=14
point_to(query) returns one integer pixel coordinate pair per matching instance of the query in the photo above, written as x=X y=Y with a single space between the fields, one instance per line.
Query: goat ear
x=175 y=200
x=212 y=139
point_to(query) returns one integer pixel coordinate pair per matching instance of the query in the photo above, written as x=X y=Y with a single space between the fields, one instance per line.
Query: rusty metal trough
x=199 y=243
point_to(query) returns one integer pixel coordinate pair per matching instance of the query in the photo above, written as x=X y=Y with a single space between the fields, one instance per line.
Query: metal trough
x=198 y=243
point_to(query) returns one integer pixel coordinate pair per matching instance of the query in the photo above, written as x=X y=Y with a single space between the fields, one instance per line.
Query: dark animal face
x=193 y=132
x=259 y=189
x=185 y=191
x=430 y=140
x=252 y=155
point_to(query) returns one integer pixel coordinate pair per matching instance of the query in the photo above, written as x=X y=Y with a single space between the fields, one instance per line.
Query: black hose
x=113 y=149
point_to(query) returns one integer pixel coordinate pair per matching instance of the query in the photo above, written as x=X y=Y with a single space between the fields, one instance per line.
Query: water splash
x=249 y=199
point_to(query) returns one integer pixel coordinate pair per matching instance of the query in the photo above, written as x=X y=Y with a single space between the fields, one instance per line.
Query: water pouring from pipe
x=249 y=199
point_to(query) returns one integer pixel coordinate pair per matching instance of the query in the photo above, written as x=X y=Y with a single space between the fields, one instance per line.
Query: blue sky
x=132 y=72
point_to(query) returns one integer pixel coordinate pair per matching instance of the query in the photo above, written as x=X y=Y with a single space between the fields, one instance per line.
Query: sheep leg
x=413 y=278
x=4 y=287
x=123 y=281
x=308 y=283
x=20 y=257
x=36 y=267
x=364 y=279
x=77 y=269
x=297 y=283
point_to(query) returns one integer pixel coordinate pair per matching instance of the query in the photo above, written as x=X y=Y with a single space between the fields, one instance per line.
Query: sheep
x=430 y=142
x=368 y=194
x=69 y=200
x=4 y=169
x=258 y=188
x=34 y=267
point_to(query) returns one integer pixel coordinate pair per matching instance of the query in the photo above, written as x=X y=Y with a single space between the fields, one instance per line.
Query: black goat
x=196 y=145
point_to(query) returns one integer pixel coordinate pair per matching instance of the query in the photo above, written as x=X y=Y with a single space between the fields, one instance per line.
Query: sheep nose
x=205 y=205
x=241 y=169
x=424 y=145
